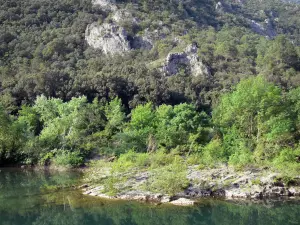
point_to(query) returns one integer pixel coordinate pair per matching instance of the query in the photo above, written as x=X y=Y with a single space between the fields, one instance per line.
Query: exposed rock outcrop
x=266 y=29
x=189 y=60
x=148 y=38
x=252 y=184
x=142 y=42
x=124 y=16
x=137 y=195
x=218 y=182
x=105 y=4
x=222 y=7
x=110 y=38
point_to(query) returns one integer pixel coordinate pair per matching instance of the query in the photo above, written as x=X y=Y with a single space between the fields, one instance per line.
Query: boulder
x=235 y=193
x=197 y=192
x=134 y=195
x=294 y=191
x=183 y=202
x=144 y=196
x=165 y=199
x=101 y=195
x=110 y=38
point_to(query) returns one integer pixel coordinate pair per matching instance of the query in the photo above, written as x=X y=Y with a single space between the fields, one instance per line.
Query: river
x=47 y=198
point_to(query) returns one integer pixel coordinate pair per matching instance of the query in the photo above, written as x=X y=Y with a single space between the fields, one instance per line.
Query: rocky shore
x=222 y=182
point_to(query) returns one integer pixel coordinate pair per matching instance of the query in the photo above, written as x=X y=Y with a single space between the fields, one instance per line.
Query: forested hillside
x=80 y=78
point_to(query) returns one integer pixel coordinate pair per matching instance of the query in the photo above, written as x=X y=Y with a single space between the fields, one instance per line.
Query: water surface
x=45 y=198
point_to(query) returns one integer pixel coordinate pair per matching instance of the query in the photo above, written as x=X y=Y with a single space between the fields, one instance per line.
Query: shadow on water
x=30 y=197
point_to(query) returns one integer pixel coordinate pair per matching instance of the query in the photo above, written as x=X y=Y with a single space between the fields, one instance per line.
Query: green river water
x=28 y=197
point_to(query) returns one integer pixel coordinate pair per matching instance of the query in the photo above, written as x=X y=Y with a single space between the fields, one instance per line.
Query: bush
x=169 y=179
x=131 y=160
x=67 y=158
x=241 y=158
x=287 y=162
x=212 y=153
x=194 y=159
x=160 y=158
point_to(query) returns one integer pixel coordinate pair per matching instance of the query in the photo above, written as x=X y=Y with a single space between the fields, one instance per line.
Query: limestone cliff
x=110 y=38
x=105 y=4
x=188 y=59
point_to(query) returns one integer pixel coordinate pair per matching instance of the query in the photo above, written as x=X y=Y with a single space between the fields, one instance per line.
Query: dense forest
x=63 y=102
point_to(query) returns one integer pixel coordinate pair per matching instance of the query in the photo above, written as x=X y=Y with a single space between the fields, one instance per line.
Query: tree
x=115 y=116
x=12 y=139
x=258 y=114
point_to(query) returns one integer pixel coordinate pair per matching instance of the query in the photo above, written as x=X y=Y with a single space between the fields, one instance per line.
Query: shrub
x=212 y=153
x=160 y=158
x=131 y=160
x=194 y=159
x=67 y=158
x=241 y=158
x=169 y=179
x=287 y=162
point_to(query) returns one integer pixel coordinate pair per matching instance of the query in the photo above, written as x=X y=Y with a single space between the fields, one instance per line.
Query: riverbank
x=223 y=181
x=27 y=197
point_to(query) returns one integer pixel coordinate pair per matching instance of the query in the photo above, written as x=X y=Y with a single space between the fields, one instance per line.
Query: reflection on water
x=39 y=198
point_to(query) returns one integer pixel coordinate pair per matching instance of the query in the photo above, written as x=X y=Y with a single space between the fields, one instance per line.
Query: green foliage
x=43 y=50
x=256 y=113
x=169 y=179
x=12 y=139
x=66 y=158
x=45 y=64
x=115 y=116
x=65 y=124
x=287 y=162
x=213 y=153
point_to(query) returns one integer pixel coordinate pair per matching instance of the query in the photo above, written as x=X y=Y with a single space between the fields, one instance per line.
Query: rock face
x=147 y=39
x=142 y=42
x=222 y=7
x=123 y=15
x=266 y=29
x=188 y=59
x=105 y=4
x=113 y=39
x=110 y=38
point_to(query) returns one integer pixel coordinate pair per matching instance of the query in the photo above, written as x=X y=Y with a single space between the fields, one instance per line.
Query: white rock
x=110 y=38
x=123 y=15
x=101 y=195
x=294 y=191
x=266 y=29
x=183 y=202
x=190 y=59
x=235 y=193
x=105 y=4
x=165 y=199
